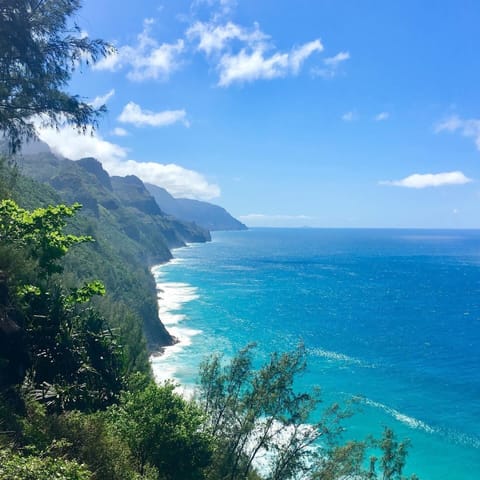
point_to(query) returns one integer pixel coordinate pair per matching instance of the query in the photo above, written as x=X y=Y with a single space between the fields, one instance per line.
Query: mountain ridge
x=131 y=232
x=205 y=214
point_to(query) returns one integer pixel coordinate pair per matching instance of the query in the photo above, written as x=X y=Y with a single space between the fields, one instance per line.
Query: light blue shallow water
x=390 y=315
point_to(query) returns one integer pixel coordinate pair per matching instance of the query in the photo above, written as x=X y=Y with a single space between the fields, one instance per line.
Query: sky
x=321 y=113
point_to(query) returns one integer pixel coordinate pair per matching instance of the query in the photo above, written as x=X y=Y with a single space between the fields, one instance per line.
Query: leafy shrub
x=14 y=466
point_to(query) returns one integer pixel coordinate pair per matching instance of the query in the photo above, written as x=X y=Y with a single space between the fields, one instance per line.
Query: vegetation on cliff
x=207 y=215
x=71 y=407
x=131 y=234
x=77 y=400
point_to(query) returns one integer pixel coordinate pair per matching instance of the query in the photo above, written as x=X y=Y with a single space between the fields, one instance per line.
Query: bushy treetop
x=40 y=47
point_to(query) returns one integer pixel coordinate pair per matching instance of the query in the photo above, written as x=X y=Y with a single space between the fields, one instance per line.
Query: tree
x=14 y=466
x=250 y=413
x=257 y=418
x=49 y=334
x=39 y=233
x=392 y=461
x=163 y=430
x=40 y=48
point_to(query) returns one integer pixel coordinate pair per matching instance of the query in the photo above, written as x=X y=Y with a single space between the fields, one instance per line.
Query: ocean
x=391 y=317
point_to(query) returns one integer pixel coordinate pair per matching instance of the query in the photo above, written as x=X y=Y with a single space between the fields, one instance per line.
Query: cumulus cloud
x=241 y=54
x=213 y=38
x=179 y=181
x=469 y=128
x=255 y=64
x=119 y=132
x=97 y=102
x=147 y=59
x=382 y=116
x=133 y=113
x=349 y=116
x=224 y=7
x=419 y=180
x=331 y=65
x=337 y=59
x=66 y=141
x=276 y=220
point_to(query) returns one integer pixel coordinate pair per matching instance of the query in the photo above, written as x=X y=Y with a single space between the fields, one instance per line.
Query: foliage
x=14 y=466
x=163 y=430
x=40 y=231
x=69 y=355
x=127 y=242
x=75 y=358
x=257 y=418
x=63 y=349
x=249 y=411
x=39 y=50
x=342 y=462
x=8 y=177
x=91 y=440
x=392 y=461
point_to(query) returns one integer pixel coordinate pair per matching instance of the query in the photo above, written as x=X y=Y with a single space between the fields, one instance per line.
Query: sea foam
x=172 y=296
x=401 y=417
x=338 y=357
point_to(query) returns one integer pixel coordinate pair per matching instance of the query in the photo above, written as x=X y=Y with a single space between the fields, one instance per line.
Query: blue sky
x=330 y=113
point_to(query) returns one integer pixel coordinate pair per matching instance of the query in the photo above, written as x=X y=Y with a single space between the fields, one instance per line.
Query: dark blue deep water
x=391 y=316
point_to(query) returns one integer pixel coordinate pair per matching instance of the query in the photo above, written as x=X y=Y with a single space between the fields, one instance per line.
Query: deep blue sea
x=392 y=316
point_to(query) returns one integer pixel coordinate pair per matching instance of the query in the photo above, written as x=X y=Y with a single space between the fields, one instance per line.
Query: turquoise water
x=392 y=316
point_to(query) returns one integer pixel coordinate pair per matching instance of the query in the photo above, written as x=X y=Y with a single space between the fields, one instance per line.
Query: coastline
x=228 y=316
x=171 y=297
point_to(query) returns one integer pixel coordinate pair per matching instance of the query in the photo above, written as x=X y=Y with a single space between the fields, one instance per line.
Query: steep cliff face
x=124 y=200
x=131 y=232
x=133 y=193
x=209 y=216
x=93 y=166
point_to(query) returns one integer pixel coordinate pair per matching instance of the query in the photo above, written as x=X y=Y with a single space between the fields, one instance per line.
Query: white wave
x=339 y=357
x=158 y=271
x=462 y=438
x=401 y=417
x=453 y=435
x=164 y=365
x=175 y=261
x=171 y=298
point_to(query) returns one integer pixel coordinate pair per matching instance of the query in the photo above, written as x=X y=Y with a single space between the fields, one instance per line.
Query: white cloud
x=335 y=61
x=133 y=113
x=267 y=220
x=299 y=55
x=214 y=38
x=450 y=124
x=349 y=116
x=97 y=102
x=247 y=66
x=382 y=116
x=224 y=6
x=469 y=128
x=119 y=132
x=243 y=55
x=148 y=59
x=179 y=181
x=418 y=180
x=332 y=64
x=66 y=141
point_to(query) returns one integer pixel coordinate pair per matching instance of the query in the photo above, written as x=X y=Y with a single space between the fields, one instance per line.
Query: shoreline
x=171 y=297
x=161 y=350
